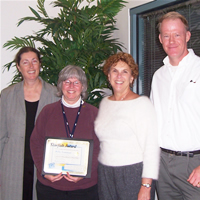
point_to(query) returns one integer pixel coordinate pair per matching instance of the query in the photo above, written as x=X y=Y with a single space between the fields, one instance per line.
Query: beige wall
x=12 y=11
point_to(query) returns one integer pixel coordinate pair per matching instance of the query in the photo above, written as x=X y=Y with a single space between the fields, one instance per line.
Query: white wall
x=123 y=22
x=12 y=11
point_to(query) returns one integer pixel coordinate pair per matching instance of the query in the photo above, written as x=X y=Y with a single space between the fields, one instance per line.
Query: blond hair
x=173 y=15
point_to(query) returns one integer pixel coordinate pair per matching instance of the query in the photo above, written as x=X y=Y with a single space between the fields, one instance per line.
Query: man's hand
x=194 y=177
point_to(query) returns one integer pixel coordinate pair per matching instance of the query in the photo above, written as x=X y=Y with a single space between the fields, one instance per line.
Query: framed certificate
x=68 y=155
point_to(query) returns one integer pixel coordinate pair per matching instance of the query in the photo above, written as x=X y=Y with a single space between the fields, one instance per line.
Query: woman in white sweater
x=127 y=130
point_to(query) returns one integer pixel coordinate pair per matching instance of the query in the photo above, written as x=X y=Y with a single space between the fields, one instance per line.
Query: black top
x=31 y=109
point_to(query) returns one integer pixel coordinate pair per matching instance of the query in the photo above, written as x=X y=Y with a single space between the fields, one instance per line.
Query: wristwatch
x=146 y=185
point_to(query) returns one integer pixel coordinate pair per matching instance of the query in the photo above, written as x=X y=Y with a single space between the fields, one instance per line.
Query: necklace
x=124 y=96
x=71 y=133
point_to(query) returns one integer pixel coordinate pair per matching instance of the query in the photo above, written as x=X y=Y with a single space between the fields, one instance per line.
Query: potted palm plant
x=78 y=35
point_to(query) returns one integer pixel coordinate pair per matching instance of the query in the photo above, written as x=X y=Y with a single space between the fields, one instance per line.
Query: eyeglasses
x=75 y=83
x=27 y=63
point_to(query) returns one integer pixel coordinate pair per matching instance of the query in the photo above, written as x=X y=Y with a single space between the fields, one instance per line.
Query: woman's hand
x=72 y=178
x=144 y=193
x=53 y=178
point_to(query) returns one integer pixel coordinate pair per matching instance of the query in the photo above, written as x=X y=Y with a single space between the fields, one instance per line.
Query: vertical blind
x=152 y=51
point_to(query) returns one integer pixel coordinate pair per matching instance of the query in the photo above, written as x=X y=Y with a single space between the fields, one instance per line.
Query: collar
x=75 y=105
x=184 y=60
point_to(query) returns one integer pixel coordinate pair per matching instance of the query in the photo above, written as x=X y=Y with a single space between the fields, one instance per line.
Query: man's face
x=174 y=37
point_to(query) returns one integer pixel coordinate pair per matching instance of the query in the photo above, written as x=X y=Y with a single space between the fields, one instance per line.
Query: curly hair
x=124 y=57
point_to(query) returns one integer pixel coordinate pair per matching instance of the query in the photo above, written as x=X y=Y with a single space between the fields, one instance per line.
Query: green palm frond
x=41 y=7
x=8 y=65
x=17 y=43
x=36 y=18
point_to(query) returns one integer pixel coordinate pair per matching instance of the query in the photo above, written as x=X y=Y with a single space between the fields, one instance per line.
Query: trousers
x=47 y=193
x=174 y=171
x=121 y=183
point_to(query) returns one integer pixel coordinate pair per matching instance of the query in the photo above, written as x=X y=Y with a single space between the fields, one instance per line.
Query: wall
x=12 y=11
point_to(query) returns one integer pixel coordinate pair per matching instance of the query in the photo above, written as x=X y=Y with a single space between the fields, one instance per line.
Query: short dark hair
x=25 y=50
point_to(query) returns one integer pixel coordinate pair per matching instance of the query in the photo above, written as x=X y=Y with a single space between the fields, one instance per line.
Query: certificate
x=68 y=155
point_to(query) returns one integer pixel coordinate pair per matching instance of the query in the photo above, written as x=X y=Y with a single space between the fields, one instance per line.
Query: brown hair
x=121 y=56
x=25 y=50
x=173 y=15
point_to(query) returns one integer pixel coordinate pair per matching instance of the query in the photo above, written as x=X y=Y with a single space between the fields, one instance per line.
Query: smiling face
x=120 y=77
x=29 y=66
x=174 y=37
x=72 y=89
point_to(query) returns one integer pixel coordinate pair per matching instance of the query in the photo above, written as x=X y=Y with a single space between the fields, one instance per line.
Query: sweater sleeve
x=148 y=139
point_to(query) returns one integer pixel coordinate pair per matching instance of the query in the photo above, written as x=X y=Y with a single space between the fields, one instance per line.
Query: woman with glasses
x=68 y=118
x=20 y=105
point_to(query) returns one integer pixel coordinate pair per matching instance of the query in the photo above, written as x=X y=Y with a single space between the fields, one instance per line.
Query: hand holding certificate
x=68 y=155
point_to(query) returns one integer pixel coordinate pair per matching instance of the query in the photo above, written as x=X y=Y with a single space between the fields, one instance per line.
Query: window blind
x=152 y=51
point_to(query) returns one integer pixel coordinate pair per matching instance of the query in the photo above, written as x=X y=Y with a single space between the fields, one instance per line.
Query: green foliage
x=78 y=35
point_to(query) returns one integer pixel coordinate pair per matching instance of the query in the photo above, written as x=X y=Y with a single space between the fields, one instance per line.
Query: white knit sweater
x=127 y=131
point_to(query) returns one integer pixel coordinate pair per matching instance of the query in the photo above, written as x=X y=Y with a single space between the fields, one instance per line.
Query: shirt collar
x=75 y=105
x=184 y=60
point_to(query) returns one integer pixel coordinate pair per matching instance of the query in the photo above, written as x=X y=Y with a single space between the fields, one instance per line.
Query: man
x=176 y=97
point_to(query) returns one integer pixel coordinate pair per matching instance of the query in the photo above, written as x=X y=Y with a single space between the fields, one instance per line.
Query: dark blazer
x=12 y=136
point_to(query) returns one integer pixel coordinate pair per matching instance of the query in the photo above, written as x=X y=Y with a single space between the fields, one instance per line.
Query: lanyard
x=71 y=134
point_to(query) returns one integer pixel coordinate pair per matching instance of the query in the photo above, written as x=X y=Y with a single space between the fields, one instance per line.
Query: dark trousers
x=48 y=193
x=121 y=183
